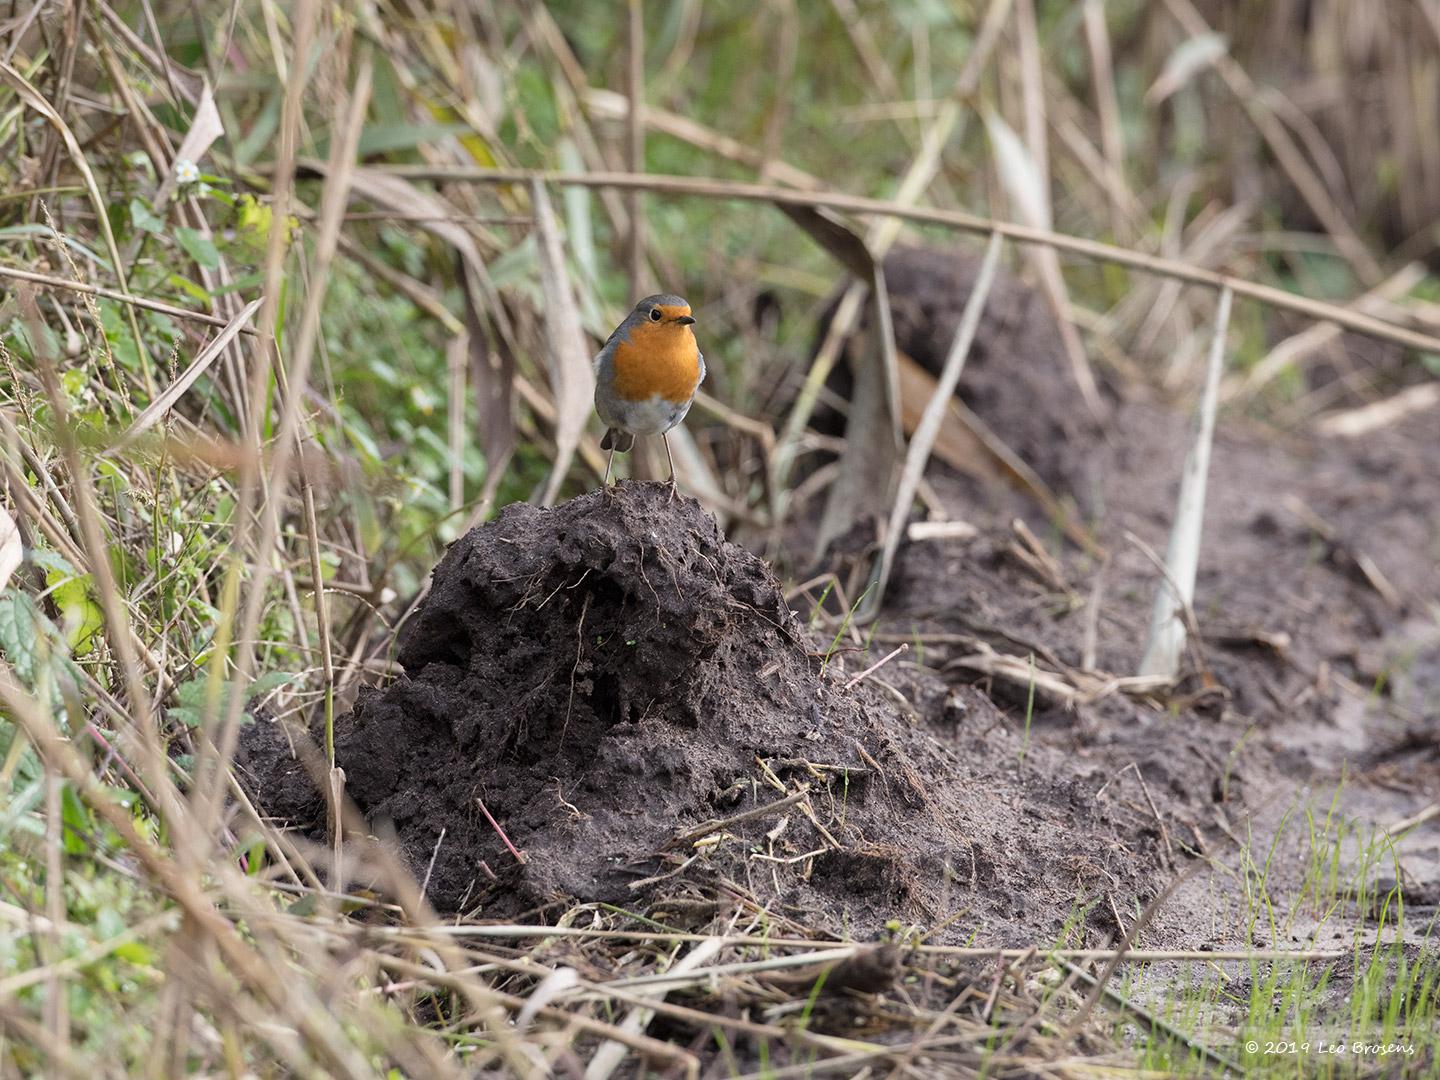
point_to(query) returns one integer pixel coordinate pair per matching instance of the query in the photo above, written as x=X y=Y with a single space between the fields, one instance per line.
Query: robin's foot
x=670 y=460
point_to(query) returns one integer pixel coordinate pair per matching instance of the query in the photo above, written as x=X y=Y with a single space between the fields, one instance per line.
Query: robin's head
x=663 y=310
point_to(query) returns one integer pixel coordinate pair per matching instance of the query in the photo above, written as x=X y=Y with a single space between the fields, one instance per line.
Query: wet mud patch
x=1318 y=601
x=634 y=704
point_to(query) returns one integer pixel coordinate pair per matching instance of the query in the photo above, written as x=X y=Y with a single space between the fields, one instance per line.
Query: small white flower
x=186 y=171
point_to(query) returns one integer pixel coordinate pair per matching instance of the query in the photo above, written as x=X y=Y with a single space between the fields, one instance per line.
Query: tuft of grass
x=1374 y=1010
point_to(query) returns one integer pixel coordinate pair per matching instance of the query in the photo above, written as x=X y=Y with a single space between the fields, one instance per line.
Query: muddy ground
x=620 y=685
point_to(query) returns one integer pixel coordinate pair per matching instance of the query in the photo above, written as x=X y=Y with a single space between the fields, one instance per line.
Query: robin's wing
x=701 y=357
x=609 y=347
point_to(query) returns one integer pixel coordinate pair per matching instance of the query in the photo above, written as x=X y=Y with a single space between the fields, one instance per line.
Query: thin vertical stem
x=457 y=357
x=57 y=1015
x=1182 y=557
x=923 y=441
x=1107 y=108
x=636 y=133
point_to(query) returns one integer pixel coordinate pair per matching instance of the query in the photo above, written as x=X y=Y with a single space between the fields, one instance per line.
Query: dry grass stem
x=857 y=204
x=50 y=281
x=1166 y=640
x=923 y=441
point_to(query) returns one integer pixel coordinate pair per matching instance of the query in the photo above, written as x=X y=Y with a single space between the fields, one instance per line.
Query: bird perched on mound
x=646 y=375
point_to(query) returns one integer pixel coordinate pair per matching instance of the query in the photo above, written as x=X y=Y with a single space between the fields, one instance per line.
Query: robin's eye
x=654 y=314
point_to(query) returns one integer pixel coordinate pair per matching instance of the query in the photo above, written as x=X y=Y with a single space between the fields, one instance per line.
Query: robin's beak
x=686 y=320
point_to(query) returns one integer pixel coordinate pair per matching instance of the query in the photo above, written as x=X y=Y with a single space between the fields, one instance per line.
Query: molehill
x=617 y=683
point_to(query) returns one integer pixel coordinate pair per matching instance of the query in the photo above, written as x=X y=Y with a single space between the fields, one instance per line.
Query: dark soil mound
x=1016 y=364
x=611 y=676
x=1016 y=378
x=602 y=675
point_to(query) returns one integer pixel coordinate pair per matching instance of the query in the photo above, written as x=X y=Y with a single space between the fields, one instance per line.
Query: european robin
x=647 y=374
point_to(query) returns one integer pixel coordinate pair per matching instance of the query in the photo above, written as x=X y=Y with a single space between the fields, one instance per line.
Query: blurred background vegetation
x=1148 y=146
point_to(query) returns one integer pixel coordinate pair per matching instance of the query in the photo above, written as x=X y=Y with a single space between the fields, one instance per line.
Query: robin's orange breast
x=661 y=359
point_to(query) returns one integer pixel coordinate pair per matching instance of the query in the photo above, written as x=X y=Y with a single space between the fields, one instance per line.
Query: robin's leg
x=605 y=485
x=665 y=438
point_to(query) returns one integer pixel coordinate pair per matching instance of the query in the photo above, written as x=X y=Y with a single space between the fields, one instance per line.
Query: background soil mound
x=1016 y=363
x=1016 y=378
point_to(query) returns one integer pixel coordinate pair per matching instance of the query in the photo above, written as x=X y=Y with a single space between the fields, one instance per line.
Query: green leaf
x=262 y=131
x=52 y=562
x=50 y=235
x=271 y=680
x=190 y=695
x=192 y=692
x=79 y=825
x=81 y=616
x=137 y=953
x=16 y=813
x=199 y=247
x=18 y=636
x=241 y=284
x=142 y=217
x=384 y=138
x=73 y=383
x=196 y=292
x=49 y=346
x=255 y=856
x=108 y=923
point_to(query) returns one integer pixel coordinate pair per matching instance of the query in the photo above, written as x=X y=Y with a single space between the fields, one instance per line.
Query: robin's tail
x=616 y=439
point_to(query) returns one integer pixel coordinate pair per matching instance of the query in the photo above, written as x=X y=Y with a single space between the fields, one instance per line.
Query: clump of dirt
x=611 y=676
x=1318 y=586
